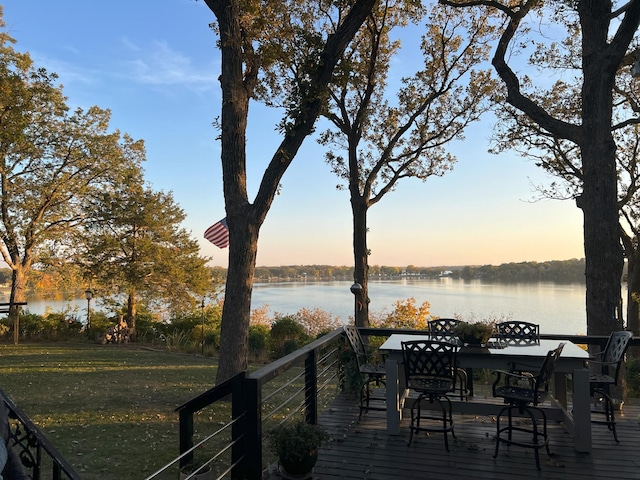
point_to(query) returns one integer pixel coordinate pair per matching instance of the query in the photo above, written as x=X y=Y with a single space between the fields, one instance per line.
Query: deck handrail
x=245 y=392
x=30 y=443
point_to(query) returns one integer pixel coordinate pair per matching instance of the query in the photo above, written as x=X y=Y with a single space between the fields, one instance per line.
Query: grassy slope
x=108 y=409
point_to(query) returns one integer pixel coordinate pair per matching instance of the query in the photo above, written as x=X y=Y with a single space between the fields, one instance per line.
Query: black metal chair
x=430 y=369
x=443 y=326
x=373 y=372
x=523 y=392
x=443 y=329
x=605 y=373
x=519 y=333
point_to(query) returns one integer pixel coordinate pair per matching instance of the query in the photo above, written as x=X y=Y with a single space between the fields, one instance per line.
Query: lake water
x=558 y=308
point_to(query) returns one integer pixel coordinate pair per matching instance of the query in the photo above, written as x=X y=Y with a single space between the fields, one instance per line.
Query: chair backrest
x=614 y=351
x=547 y=368
x=355 y=340
x=443 y=326
x=519 y=333
x=429 y=359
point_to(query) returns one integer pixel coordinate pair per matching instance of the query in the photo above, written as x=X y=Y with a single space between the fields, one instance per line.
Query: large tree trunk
x=361 y=261
x=235 y=110
x=132 y=302
x=236 y=310
x=238 y=79
x=18 y=282
x=599 y=202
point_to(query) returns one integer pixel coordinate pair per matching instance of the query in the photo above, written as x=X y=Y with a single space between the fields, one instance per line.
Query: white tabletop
x=570 y=350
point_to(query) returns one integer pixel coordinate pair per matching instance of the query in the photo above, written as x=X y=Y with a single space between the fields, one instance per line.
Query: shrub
x=406 y=315
x=258 y=342
x=50 y=326
x=317 y=321
x=286 y=336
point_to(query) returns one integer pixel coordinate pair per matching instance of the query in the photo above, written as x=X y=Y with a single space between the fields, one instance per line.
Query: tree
x=388 y=141
x=51 y=161
x=604 y=37
x=134 y=242
x=250 y=42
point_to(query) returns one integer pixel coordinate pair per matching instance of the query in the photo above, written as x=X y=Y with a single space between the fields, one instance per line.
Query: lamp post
x=356 y=289
x=202 y=334
x=88 y=293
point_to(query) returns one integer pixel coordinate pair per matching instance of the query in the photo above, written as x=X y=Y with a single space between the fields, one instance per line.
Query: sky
x=155 y=65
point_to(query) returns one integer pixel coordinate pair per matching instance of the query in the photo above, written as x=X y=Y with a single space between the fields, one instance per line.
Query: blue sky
x=154 y=64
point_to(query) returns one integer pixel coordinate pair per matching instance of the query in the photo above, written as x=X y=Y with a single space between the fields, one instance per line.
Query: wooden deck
x=363 y=450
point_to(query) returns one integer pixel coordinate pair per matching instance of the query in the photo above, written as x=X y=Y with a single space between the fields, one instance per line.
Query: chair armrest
x=511 y=377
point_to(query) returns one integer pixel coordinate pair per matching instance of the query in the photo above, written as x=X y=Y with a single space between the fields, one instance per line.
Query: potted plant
x=477 y=333
x=196 y=469
x=296 y=445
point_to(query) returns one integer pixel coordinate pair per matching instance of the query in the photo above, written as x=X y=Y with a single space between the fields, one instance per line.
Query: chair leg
x=609 y=412
x=365 y=395
x=536 y=442
x=534 y=429
x=500 y=413
x=463 y=379
x=610 y=415
x=446 y=417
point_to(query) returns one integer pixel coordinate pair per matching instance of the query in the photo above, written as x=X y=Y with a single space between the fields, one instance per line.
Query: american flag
x=218 y=233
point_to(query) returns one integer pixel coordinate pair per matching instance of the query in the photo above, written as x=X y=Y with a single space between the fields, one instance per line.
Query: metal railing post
x=239 y=448
x=311 y=387
x=252 y=464
x=185 y=435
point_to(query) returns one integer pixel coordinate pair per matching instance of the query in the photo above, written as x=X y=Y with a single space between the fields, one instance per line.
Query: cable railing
x=245 y=407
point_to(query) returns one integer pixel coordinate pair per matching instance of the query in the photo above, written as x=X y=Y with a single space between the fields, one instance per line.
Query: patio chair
x=430 y=369
x=373 y=372
x=523 y=392
x=443 y=329
x=443 y=326
x=519 y=333
x=605 y=373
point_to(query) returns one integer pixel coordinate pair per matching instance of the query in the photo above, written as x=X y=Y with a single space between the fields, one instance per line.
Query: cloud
x=159 y=65
x=155 y=65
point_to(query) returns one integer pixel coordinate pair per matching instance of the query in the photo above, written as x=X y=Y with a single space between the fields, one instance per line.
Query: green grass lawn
x=109 y=410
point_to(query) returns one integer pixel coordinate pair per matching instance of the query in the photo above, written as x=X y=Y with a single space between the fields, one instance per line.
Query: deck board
x=363 y=450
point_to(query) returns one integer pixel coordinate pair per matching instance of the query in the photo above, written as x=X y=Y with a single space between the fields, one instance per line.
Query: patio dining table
x=572 y=362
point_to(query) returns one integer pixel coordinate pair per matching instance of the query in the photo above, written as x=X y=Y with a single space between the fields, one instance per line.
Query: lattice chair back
x=519 y=333
x=613 y=355
x=605 y=370
x=357 y=345
x=430 y=365
x=443 y=327
x=373 y=371
x=546 y=371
